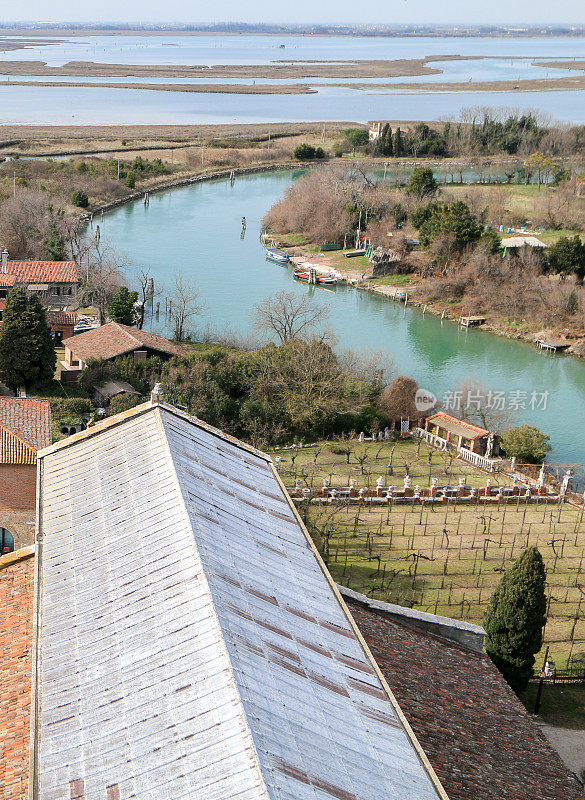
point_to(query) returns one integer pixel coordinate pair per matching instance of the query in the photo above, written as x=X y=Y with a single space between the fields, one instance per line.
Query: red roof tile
x=42 y=271
x=61 y=317
x=112 y=340
x=477 y=735
x=25 y=427
x=16 y=605
x=453 y=423
x=7 y=280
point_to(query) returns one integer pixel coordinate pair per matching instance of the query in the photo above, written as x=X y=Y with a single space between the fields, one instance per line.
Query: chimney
x=157 y=395
x=4 y=262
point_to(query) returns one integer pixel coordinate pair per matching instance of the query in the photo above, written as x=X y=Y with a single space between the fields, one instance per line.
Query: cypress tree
x=515 y=617
x=386 y=140
x=27 y=353
x=398 y=146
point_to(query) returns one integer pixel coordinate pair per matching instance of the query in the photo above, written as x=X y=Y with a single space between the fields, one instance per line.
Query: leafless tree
x=146 y=294
x=184 y=306
x=482 y=406
x=398 y=400
x=103 y=275
x=290 y=316
x=25 y=223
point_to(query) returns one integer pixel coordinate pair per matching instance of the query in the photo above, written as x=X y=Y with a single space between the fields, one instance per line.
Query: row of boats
x=305 y=271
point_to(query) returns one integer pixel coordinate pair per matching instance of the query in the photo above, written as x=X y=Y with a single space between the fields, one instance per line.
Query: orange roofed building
x=25 y=428
x=55 y=282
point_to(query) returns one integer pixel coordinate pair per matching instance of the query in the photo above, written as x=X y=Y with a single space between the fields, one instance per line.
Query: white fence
x=489 y=464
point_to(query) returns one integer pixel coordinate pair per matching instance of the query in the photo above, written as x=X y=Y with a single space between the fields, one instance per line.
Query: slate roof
x=457 y=426
x=16 y=604
x=112 y=340
x=25 y=427
x=478 y=736
x=191 y=643
x=42 y=271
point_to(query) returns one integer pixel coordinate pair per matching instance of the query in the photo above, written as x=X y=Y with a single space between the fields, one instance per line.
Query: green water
x=196 y=230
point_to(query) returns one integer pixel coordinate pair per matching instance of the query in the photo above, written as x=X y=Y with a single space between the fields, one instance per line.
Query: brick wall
x=16 y=602
x=20 y=523
x=18 y=486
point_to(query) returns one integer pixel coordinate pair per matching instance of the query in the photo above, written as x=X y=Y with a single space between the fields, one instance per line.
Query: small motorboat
x=320 y=280
x=280 y=257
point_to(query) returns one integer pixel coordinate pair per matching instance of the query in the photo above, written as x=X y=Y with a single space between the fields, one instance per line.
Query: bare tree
x=25 y=223
x=398 y=400
x=103 y=275
x=482 y=406
x=183 y=306
x=146 y=294
x=290 y=316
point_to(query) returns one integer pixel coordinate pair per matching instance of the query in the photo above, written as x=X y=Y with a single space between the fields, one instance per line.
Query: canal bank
x=196 y=230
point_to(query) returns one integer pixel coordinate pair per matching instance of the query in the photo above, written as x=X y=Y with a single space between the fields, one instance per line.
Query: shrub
x=526 y=443
x=304 y=152
x=123 y=402
x=79 y=199
x=130 y=179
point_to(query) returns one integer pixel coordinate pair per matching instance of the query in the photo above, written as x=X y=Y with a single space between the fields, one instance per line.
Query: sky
x=301 y=11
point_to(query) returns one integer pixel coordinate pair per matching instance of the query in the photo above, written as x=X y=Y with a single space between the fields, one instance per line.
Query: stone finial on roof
x=157 y=394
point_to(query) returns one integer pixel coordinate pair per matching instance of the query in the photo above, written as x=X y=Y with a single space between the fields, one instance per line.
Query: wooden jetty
x=553 y=347
x=471 y=322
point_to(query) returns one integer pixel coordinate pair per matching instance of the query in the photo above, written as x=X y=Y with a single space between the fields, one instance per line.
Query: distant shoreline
x=337 y=31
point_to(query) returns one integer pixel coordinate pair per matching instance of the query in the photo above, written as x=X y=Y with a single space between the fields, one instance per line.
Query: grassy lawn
x=562 y=706
x=394 y=280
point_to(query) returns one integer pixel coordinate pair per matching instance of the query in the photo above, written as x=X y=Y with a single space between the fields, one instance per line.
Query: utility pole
x=14 y=183
x=118 y=169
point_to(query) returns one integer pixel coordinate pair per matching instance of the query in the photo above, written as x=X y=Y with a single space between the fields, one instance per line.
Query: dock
x=553 y=347
x=471 y=322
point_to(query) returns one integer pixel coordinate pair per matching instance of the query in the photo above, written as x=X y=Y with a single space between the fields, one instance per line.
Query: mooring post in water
x=443 y=314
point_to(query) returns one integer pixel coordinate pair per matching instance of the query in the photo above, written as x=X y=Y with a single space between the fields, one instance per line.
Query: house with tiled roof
x=25 y=428
x=188 y=641
x=55 y=282
x=110 y=341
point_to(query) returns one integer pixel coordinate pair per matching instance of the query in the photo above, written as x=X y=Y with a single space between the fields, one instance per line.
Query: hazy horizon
x=400 y=12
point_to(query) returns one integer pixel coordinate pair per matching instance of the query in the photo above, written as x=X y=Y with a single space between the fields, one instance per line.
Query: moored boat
x=273 y=254
x=305 y=275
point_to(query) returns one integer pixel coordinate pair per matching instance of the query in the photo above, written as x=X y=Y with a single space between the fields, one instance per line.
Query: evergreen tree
x=55 y=243
x=121 y=308
x=398 y=144
x=386 y=141
x=27 y=353
x=515 y=617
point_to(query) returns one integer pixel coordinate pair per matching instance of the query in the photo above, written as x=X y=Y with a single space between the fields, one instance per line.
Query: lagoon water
x=196 y=230
x=489 y=59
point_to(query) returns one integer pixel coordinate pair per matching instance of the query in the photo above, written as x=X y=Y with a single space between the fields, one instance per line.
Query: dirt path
x=569 y=744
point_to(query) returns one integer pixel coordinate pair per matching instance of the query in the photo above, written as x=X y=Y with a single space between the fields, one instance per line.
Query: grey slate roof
x=190 y=643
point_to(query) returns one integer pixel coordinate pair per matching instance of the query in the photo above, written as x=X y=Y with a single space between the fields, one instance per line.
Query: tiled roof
x=457 y=426
x=16 y=604
x=42 y=271
x=25 y=427
x=192 y=644
x=112 y=340
x=6 y=280
x=60 y=317
x=478 y=736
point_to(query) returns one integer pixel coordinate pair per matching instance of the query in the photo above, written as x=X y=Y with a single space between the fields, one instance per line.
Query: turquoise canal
x=196 y=230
